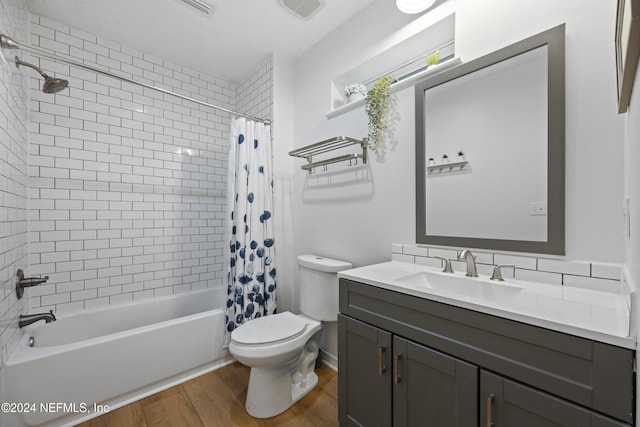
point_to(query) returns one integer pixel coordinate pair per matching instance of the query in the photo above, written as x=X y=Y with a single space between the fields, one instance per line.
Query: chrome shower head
x=51 y=84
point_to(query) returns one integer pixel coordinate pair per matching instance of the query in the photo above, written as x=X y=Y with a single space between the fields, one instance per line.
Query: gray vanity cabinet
x=409 y=361
x=364 y=354
x=508 y=403
x=431 y=388
x=392 y=381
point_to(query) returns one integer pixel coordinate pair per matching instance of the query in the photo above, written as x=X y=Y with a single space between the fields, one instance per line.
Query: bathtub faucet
x=27 y=319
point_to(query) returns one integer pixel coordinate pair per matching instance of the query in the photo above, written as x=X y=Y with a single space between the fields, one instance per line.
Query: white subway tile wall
x=254 y=94
x=584 y=274
x=127 y=185
x=14 y=127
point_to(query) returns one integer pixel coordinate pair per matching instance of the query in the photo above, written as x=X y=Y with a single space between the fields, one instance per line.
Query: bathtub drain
x=32 y=341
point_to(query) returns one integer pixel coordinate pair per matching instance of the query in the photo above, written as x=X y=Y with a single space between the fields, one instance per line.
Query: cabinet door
x=431 y=388
x=505 y=403
x=364 y=377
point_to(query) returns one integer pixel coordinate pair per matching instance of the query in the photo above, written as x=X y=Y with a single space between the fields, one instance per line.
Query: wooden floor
x=217 y=399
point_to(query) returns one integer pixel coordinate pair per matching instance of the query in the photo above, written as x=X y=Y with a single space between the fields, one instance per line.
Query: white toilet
x=281 y=349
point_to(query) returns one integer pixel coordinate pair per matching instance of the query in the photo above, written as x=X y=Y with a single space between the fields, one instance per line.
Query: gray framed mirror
x=490 y=150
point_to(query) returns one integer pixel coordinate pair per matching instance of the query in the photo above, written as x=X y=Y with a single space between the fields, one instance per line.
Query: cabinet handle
x=396 y=375
x=381 y=367
x=489 y=407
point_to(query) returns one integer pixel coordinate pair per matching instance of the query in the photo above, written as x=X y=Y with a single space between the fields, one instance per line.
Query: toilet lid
x=269 y=329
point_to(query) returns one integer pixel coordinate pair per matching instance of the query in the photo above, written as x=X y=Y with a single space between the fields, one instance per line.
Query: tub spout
x=27 y=319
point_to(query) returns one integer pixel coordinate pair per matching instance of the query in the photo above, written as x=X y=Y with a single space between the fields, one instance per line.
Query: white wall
x=282 y=133
x=632 y=191
x=632 y=185
x=359 y=218
x=359 y=224
x=594 y=132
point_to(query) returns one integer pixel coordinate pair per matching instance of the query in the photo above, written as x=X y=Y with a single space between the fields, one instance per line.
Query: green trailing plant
x=378 y=101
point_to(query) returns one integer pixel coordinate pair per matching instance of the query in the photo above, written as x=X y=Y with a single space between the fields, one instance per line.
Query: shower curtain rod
x=7 y=42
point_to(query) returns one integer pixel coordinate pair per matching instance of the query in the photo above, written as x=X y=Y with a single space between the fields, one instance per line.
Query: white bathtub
x=112 y=356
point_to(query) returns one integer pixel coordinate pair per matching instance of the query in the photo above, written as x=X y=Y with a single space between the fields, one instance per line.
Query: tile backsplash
x=591 y=275
x=254 y=94
x=14 y=132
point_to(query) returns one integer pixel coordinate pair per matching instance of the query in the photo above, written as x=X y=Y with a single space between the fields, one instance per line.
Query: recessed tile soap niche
x=401 y=56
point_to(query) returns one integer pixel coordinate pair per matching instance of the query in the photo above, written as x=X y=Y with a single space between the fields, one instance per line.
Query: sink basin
x=460 y=287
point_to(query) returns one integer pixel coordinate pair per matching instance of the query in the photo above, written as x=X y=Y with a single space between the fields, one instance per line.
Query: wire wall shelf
x=311 y=151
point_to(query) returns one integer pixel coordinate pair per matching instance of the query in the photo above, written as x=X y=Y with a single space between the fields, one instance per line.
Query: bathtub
x=87 y=363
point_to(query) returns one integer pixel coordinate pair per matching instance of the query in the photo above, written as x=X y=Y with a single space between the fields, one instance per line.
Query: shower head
x=51 y=84
x=54 y=85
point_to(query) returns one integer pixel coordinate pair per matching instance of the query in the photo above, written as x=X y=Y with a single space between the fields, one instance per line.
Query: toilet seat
x=269 y=329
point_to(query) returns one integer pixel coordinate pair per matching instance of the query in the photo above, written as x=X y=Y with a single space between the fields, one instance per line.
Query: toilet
x=281 y=349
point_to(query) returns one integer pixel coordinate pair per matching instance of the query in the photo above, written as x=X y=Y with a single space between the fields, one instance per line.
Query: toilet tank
x=319 y=286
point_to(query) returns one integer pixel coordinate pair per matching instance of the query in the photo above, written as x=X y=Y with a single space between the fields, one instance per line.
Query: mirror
x=490 y=150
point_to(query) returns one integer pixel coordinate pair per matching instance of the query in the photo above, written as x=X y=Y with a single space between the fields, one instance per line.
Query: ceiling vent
x=303 y=9
x=201 y=6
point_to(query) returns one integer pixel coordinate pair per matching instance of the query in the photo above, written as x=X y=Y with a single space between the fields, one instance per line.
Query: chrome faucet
x=27 y=319
x=497 y=271
x=446 y=263
x=466 y=255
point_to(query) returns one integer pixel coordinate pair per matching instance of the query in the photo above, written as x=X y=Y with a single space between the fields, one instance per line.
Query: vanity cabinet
x=508 y=403
x=409 y=361
x=366 y=355
x=423 y=386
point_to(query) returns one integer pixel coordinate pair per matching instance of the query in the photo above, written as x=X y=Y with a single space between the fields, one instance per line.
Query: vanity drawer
x=590 y=373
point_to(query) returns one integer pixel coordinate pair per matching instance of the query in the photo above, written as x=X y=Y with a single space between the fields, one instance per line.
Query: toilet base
x=271 y=392
x=298 y=391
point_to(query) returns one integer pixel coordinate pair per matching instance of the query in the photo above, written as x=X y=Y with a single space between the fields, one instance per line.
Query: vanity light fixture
x=414 y=6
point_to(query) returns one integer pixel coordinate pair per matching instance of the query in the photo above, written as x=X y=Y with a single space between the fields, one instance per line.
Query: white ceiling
x=227 y=43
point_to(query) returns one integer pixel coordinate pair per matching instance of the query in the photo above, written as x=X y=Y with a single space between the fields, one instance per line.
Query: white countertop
x=596 y=315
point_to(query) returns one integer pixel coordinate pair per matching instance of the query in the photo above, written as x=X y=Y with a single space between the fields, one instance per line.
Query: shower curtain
x=251 y=288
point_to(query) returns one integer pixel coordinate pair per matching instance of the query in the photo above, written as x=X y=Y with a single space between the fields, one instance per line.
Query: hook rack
x=447 y=167
x=329 y=145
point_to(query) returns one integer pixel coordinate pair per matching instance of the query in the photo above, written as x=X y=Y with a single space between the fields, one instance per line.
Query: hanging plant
x=378 y=101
